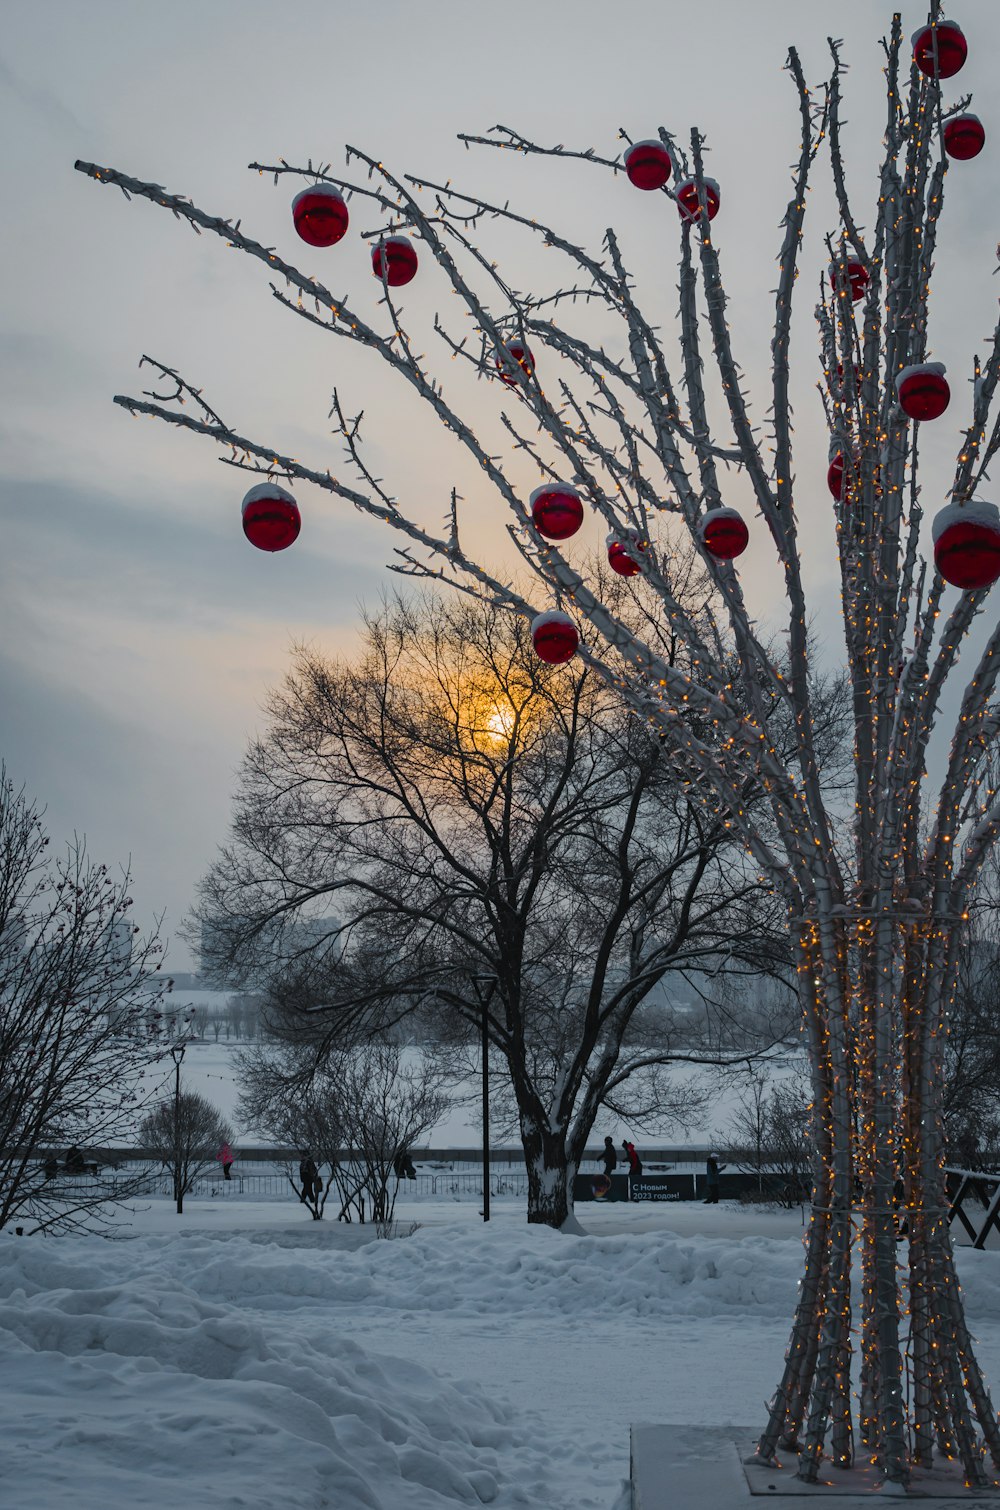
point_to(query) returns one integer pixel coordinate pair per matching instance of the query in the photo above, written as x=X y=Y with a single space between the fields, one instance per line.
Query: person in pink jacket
x=225 y=1158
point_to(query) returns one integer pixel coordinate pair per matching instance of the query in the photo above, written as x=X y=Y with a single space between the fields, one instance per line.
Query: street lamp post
x=177 y=1054
x=485 y=987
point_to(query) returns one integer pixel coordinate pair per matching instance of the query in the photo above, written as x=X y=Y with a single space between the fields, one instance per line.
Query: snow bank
x=124 y=1386
x=502 y=1274
x=229 y=1371
x=219 y=1370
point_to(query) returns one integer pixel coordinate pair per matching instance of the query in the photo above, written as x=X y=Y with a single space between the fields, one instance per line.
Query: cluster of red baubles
x=648 y=165
x=321 y=218
x=966 y=537
x=964 y=135
x=557 y=514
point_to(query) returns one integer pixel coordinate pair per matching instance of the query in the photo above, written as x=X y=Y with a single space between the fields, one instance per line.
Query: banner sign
x=662 y=1187
x=600 y=1187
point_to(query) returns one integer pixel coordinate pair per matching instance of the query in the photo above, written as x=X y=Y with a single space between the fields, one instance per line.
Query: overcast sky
x=140 y=632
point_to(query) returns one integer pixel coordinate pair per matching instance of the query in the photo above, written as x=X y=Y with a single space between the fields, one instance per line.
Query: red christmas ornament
x=398 y=256
x=952 y=49
x=724 y=533
x=922 y=390
x=648 y=164
x=964 y=136
x=557 y=510
x=621 y=556
x=555 y=637
x=687 y=198
x=858 y=277
x=271 y=519
x=835 y=476
x=320 y=215
x=967 y=544
x=513 y=356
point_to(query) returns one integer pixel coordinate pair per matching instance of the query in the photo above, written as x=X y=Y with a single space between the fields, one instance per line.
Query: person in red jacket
x=634 y=1161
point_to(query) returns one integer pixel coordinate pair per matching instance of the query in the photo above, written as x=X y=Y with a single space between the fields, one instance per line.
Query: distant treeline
x=241 y=1017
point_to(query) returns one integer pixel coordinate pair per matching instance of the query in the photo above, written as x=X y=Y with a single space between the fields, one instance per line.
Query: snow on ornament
x=398 y=257
x=271 y=519
x=516 y=354
x=320 y=214
x=648 y=164
x=967 y=543
x=555 y=637
x=622 y=553
x=857 y=275
x=952 y=49
x=724 y=533
x=687 y=198
x=964 y=137
x=922 y=390
x=556 y=510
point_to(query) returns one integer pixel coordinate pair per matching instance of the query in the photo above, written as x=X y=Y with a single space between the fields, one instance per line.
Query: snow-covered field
x=244 y=1356
x=208 y=1068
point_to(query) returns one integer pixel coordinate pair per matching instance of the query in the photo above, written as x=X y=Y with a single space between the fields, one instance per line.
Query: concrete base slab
x=704 y=1468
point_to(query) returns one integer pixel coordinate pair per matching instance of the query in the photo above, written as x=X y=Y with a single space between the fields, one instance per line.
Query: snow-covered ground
x=244 y=1356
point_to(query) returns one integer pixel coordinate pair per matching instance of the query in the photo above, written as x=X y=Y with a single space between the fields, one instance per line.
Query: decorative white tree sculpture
x=876 y=901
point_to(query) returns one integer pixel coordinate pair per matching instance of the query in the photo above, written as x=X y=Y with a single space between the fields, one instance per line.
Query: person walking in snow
x=402 y=1166
x=634 y=1161
x=610 y=1158
x=309 y=1176
x=712 y=1168
x=225 y=1158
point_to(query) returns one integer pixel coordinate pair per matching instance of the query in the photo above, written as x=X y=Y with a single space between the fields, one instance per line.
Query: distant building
x=256 y=952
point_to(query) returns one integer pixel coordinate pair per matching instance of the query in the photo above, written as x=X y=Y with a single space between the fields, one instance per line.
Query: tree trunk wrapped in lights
x=875 y=906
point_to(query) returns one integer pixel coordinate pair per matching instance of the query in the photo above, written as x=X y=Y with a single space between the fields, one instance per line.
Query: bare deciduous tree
x=353 y=1111
x=769 y=1135
x=876 y=907
x=185 y=1133
x=79 y=1002
x=286 y=1097
x=468 y=811
x=389 y=1103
